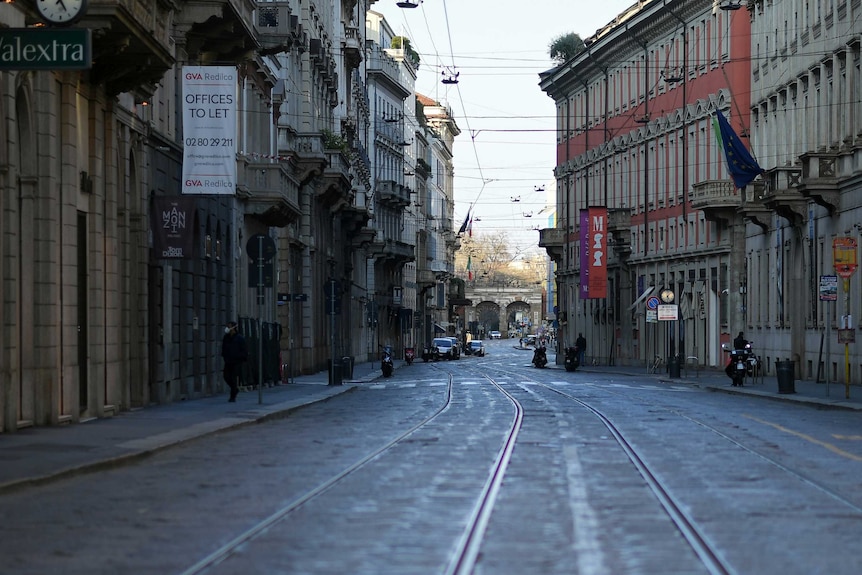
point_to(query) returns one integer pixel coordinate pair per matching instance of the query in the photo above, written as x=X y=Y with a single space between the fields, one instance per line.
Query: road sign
x=844 y=256
x=260 y=246
x=652 y=303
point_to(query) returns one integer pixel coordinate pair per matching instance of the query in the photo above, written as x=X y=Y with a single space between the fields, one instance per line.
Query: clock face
x=666 y=296
x=61 y=11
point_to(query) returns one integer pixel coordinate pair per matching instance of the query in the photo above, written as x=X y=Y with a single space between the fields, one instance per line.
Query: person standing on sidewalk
x=581 y=344
x=234 y=353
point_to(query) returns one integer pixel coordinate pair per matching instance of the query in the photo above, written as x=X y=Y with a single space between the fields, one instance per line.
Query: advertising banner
x=173 y=227
x=594 y=253
x=209 y=129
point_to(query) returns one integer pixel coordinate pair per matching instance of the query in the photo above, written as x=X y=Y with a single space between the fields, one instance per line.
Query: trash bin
x=335 y=372
x=347 y=367
x=785 y=372
x=673 y=366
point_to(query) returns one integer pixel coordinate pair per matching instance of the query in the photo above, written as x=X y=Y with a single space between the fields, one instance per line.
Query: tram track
x=464 y=553
x=226 y=550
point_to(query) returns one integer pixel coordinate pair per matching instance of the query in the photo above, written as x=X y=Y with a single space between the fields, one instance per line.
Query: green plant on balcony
x=333 y=141
x=399 y=43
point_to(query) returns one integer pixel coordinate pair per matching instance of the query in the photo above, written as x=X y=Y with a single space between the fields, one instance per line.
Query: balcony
x=352 y=46
x=385 y=69
x=782 y=195
x=272 y=196
x=219 y=31
x=393 y=193
x=752 y=205
x=304 y=150
x=620 y=229
x=717 y=199
x=821 y=178
x=336 y=182
x=553 y=240
x=392 y=250
x=278 y=29
x=132 y=44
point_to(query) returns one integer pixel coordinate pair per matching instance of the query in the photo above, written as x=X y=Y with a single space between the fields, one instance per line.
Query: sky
x=506 y=148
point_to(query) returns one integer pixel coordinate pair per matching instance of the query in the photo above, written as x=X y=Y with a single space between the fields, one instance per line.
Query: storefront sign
x=45 y=49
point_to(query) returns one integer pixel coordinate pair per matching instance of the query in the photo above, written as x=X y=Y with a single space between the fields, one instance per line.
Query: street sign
x=260 y=246
x=668 y=312
x=844 y=256
x=652 y=303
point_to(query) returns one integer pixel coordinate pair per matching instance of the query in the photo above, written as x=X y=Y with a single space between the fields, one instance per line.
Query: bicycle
x=657 y=363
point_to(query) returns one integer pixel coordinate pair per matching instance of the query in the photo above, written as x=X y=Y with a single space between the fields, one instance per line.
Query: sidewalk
x=40 y=454
x=806 y=391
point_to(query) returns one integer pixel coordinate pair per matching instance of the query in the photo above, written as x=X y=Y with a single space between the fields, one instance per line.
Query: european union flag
x=742 y=166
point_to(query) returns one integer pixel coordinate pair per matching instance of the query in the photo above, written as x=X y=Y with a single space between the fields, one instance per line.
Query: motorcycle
x=572 y=361
x=743 y=363
x=386 y=364
x=430 y=353
x=409 y=354
x=540 y=358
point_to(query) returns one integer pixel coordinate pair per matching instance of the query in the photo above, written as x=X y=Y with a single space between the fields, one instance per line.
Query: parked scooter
x=743 y=362
x=386 y=364
x=409 y=354
x=572 y=361
x=540 y=358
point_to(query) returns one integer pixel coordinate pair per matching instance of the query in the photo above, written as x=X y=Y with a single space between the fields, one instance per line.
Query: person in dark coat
x=581 y=344
x=234 y=353
x=740 y=342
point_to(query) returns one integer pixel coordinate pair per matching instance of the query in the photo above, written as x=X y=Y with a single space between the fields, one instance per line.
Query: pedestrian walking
x=234 y=353
x=581 y=344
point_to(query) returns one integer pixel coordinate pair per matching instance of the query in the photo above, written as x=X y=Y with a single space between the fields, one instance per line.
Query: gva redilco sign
x=45 y=49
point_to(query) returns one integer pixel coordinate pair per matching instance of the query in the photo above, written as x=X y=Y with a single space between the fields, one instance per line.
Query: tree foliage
x=565 y=47
x=494 y=264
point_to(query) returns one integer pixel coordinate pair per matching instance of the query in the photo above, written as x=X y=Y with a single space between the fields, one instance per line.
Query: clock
x=61 y=12
x=666 y=296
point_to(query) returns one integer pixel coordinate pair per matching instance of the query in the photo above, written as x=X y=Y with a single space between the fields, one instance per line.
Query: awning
x=642 y=297
x=439 y=329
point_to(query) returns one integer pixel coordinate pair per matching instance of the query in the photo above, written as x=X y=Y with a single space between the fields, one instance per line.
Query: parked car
x=476 y=347
x=445 y=347
x=495 y=334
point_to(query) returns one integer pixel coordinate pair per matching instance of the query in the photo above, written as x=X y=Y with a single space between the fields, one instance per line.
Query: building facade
x=635 y=137
x=96 y=316
x=806 y=123
x=635 y=113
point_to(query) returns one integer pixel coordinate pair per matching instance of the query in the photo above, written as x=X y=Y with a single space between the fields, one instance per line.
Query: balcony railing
x=271 y=194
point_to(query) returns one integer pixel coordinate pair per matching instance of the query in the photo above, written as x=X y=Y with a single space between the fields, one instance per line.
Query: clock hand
x=63 y=5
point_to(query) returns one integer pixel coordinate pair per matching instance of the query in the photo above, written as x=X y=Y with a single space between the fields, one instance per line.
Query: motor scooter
x=572 y=361
x=430 y=353
x=741 y=364
x=540 y=358
x=409 y=354
x=386 y=364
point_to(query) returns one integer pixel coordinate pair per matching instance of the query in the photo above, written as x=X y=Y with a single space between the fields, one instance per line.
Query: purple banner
x=173 y=227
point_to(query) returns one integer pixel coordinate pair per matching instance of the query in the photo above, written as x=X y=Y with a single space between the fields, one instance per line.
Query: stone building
x=97 y=315
x=635 y=137
x=806 y=132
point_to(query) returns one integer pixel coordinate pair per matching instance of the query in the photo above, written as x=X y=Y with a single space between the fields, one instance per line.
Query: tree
x=565 y=47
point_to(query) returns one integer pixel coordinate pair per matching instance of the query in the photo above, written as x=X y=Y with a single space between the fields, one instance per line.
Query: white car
x=495 y=334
